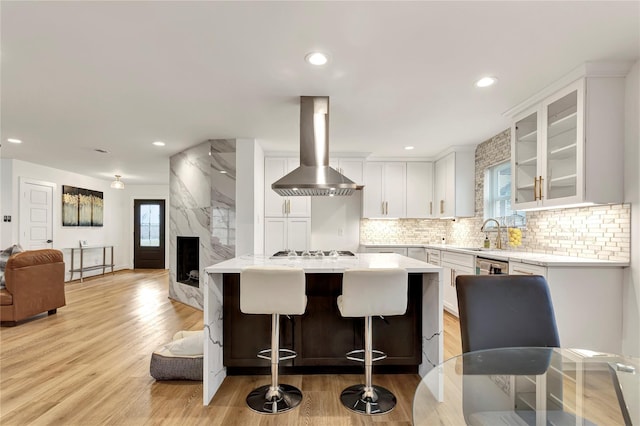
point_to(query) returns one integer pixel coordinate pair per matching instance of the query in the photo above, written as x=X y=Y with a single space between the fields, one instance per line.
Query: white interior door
x=36 y=214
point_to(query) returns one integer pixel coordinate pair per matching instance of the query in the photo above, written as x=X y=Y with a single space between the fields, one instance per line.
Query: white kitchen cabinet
x=453 y=265
x=282 y=233
x=385 y=189
x=274 y=204
x=350 y=167
x=454 y=184
x=287 y=221
x=587 y=302
x=420 y=190
x=418 y=253
x=567 y=149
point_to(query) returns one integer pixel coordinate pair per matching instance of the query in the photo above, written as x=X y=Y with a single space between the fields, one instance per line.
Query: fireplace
x=188 y=261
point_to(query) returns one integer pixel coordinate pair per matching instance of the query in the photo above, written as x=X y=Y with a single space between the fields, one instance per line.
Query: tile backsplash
x=596 y=232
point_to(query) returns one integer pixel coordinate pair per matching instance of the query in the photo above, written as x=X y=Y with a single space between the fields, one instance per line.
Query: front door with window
x=148 y=234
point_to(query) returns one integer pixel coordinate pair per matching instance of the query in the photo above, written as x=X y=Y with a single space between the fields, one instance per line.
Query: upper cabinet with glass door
x=567 y=148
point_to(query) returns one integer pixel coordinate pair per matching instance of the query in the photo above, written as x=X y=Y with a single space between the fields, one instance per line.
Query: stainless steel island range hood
x=314 y=176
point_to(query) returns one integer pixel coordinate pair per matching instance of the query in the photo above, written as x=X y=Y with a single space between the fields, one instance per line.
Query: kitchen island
x=327 y=272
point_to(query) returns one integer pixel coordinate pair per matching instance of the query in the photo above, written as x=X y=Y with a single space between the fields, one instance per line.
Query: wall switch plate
x=7 y=218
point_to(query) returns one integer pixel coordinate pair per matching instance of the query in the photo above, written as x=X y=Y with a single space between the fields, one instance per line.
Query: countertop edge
x=509 y=256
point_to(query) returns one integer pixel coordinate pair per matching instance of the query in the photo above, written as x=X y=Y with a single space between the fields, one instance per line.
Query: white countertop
x=540 y=259
x=327 y=266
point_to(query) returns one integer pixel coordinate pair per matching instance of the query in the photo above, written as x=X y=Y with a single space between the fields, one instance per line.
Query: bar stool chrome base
x=266 y=401
x=377 y=400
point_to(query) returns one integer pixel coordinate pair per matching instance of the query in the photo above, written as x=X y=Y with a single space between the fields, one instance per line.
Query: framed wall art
x=82 y=207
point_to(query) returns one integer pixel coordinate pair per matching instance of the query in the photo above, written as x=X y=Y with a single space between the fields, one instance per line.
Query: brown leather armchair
x=35 y=284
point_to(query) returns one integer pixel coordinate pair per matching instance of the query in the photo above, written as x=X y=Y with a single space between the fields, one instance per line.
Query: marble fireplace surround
x=203 y=205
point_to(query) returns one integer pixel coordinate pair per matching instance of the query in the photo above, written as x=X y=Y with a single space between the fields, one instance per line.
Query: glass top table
x=530 y=386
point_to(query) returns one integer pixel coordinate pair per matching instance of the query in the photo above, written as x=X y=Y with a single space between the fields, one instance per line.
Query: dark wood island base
x=321 y=336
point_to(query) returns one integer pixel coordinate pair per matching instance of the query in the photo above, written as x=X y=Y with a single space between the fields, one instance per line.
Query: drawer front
x=399 y=250
x=519 y=268
x=467 y=260
x=433 y=257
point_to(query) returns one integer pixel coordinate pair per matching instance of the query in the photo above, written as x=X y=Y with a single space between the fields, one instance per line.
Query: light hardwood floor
x=89 y=365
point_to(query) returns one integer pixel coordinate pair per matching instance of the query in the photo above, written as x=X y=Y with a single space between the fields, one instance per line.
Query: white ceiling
x=76 y=76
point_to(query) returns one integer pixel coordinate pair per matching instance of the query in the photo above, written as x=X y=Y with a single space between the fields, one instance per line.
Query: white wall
x=118 y=212
x=631 y=287
x=6 y=203
x=258 y=185
x=335 y=222
x=249 y=167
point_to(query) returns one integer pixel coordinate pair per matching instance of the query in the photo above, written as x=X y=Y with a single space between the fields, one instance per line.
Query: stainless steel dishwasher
x=486 y=266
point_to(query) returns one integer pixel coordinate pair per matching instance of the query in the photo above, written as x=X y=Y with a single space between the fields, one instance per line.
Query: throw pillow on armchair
x=4 y=257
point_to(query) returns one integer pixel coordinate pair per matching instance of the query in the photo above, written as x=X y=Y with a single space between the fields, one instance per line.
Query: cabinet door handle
x=453 y=278
x=386 y=207
x=540 y=186
x=441 y=206
x=535 y=188
x=522 y=272
x=430 y=207
x=382 y=207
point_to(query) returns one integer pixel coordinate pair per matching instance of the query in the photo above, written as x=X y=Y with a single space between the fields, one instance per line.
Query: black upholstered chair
x=498 y=311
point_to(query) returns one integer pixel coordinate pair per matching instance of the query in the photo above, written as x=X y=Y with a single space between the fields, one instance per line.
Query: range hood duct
x=314 y=176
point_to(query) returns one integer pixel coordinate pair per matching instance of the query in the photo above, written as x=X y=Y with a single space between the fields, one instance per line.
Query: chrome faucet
x=499 y=239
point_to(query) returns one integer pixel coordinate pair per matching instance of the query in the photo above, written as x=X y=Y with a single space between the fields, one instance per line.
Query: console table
x=104 y=265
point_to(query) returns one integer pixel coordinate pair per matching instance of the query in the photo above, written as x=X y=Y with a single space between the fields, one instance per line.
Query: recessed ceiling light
x=408 y=148
x=224 y=172
x=316 y=58
x=158 y=143
x=486 y=82
x=14 y=140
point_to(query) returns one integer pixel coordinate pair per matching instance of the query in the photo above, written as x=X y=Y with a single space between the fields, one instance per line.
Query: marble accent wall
x=202 y=204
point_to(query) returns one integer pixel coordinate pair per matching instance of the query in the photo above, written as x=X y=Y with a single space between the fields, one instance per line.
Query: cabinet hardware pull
x=522 y=272
x=540 y=187
x=441 y=206
x=386 y=207
x=430 y=207
x=535 y=188
x=382 y=207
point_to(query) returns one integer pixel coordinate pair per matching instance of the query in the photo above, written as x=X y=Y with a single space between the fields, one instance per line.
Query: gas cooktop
x=313 y=253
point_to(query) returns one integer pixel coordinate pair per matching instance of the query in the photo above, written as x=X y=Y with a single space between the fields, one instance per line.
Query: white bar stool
x=365 y=293
x=276 y=291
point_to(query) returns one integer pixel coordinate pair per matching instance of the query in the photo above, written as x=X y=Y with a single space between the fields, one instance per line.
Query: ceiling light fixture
x=117 y=184
x=158 y=143
x=408 y=148
x=14 y=140
x=316 y=58
x=486 y=82
x=224 y=172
